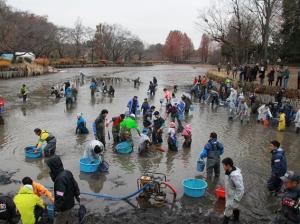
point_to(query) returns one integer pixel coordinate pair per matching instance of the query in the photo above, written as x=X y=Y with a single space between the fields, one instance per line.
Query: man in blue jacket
x=133 y=105
x=278 y=166
x=212 y=151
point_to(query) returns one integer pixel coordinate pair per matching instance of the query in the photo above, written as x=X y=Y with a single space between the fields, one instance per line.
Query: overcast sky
x=151 y=20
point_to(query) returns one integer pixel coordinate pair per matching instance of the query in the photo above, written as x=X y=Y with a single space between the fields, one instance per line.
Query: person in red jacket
x=2 y=102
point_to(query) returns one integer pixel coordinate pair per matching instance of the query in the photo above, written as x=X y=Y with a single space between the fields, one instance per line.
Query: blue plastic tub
x=50 y=211
x=200 y=165
x=87 y=167
x=29 y=152
x=194 y=187
x=124 y=147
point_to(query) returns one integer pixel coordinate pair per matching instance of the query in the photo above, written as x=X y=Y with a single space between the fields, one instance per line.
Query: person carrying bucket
x=212 y=151
x=65 y=191
x=92 y=150
x=44 y=136
x=234 y=190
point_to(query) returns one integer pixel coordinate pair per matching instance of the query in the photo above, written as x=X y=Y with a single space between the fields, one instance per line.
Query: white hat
x=79 y=114
x=132 y=115
x=28 y=186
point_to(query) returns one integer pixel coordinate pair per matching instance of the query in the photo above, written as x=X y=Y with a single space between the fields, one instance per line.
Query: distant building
x=10 y=56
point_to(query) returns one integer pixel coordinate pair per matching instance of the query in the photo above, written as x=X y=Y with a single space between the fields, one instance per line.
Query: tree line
x=22 y=31
x=254 y=30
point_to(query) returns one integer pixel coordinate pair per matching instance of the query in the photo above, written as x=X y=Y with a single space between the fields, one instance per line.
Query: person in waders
x=278 y=167
x=116 y=121
x=24 y=92
x=234 y=190
x=212 y=151
x=99 y=126
x=44 y=136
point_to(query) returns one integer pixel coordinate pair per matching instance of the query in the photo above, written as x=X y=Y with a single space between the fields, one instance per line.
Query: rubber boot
x=236 y=215
x=226 y=220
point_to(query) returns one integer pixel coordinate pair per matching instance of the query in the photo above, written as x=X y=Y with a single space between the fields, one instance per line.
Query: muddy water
x=246 y=144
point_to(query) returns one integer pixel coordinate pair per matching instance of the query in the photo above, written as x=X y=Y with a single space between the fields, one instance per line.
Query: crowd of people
x=259 y=72
x=28 y=206
x=241 y=105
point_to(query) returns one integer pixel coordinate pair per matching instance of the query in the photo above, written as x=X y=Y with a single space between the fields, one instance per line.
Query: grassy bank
x=290 y=93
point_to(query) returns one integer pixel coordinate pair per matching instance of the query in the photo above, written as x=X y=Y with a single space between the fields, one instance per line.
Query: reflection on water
x=247 y=144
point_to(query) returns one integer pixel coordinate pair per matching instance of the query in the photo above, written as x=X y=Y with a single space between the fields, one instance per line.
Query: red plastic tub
x=220 y=192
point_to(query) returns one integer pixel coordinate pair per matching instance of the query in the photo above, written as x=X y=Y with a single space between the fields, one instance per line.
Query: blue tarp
x=7 y=56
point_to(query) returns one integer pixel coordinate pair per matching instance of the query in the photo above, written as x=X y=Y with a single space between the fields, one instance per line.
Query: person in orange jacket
x=38 y=189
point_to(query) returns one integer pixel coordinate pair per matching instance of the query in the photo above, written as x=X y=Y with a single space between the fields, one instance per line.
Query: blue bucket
x=29 y=152
x=194 y=187
x=87 y=167
x=50 y=211
x=124 y=147
x=200 y=165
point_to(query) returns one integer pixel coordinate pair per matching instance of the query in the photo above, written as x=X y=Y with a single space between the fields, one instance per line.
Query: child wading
x=172 y=139
x=187 y=134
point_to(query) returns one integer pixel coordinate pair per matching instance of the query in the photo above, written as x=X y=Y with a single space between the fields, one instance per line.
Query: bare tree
x=63 y=40
x=229 y=23
x=78 y=36
x=265 y=11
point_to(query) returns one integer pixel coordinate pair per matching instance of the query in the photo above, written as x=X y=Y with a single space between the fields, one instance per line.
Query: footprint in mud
x=5 y=177
x=117 y=181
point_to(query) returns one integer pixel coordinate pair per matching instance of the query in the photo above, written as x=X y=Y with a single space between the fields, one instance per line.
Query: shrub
x=42 y=61
x=65 y=61
x=4 y=63
x=137 y=62
x=19 y=60
x=80 y=61
x=102 y=62
x=120 y=62
x=28 y=60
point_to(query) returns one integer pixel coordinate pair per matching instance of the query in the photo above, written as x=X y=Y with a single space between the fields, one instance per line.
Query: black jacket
x=65 y=186
x=7 y=208
x=291 y=204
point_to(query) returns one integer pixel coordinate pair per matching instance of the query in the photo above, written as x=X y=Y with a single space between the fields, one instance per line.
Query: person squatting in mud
x=44 y=136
